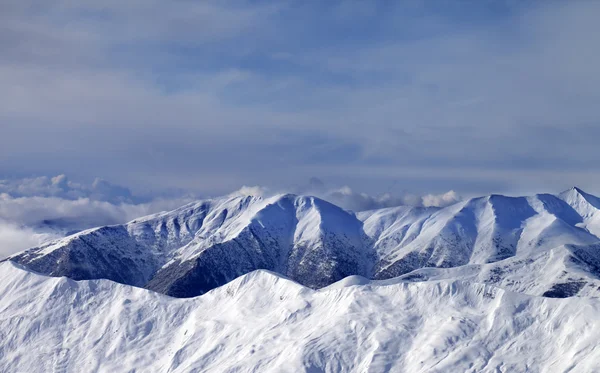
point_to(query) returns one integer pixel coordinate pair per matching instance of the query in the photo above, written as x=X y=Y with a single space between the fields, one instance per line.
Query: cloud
x=78 y=213
x=251 y=191
x=28 y=221
x=212 y=95
x=35 y=210
x=440 y=200
x=38 y=209
x=60 y=186
x=347 y=198
x=14 y=238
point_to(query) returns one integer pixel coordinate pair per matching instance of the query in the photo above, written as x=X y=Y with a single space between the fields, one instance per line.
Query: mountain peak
x=584 y=203
x=571 y=192
x=577 y=189
x=261 y=281
x=203 y=245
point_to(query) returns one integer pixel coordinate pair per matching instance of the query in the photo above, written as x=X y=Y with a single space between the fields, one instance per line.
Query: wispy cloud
x=355 y=201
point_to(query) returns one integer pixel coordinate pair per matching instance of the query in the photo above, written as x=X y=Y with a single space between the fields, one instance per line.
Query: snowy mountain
x=539 y=245
x=261 y=322
x=206 y=244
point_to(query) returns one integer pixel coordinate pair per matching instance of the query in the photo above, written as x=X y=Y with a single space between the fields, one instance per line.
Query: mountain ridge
x=205 y=244
x=264 y=322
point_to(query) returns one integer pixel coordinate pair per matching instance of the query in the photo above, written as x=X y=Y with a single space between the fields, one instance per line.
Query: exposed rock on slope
x=537 y=245
x=206 y=244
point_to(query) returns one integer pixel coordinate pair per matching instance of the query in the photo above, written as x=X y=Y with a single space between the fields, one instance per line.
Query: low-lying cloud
x=355 y=201
x=36 y=210
x=60 y=186
x=440 y=200
x=14 y=238
x=78 y=214
x=349 y=199
x=29 y=221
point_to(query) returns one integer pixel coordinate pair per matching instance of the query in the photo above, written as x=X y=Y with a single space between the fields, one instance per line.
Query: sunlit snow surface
x=537 y=245
x=264 y=323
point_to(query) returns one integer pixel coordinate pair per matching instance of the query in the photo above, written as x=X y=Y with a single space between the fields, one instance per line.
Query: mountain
x=206 y=244
x=262 y=322
x=539 y=245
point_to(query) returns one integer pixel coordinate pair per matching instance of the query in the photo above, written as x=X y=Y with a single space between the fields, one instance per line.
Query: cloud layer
x=349 y=199
x=394 y=99
x=39 y=209
x=61 y=187
x=491 y=97
x=359 y=201
x=14 y=238
x=36 y=210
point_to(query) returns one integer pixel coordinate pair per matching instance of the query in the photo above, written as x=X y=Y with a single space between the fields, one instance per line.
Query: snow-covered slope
x=307 y=239
x=264 y=323
x=532 y=244
x=587 y=207
x=203 y=245
x=540 y=245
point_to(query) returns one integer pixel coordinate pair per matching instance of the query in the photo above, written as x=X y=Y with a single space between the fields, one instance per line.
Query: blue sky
x=385 y=96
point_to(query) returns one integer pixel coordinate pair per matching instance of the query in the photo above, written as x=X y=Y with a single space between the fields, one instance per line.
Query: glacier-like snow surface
x=262 y=322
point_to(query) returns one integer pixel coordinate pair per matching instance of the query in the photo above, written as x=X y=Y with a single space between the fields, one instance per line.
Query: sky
x=401 y=97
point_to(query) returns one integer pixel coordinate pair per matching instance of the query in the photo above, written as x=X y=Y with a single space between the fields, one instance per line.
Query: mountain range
x=546 y=245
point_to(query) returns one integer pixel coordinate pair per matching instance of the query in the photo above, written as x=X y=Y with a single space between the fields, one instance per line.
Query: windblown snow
x=262 y=322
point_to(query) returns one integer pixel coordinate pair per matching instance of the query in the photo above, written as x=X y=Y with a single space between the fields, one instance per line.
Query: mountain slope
x=203 y=245
x=587 y=207
x=495 y=240
x=533 y=244
x=263 y=323
x=307 y=239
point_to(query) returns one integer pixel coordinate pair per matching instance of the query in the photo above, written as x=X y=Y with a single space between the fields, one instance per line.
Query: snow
x=506 y=241
x=499 y=240
x=262 y=322
x=587 y=206
x=465 y=288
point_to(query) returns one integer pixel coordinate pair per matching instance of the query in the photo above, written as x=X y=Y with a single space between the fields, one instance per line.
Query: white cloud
x=440 y=200
x=251 y=191
x=181 y=95
x=28 y=221
x=45 y=208
x=14 y=238
x=60 y=186
x=35 y=210
x=79 y=213
x=347 y=198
